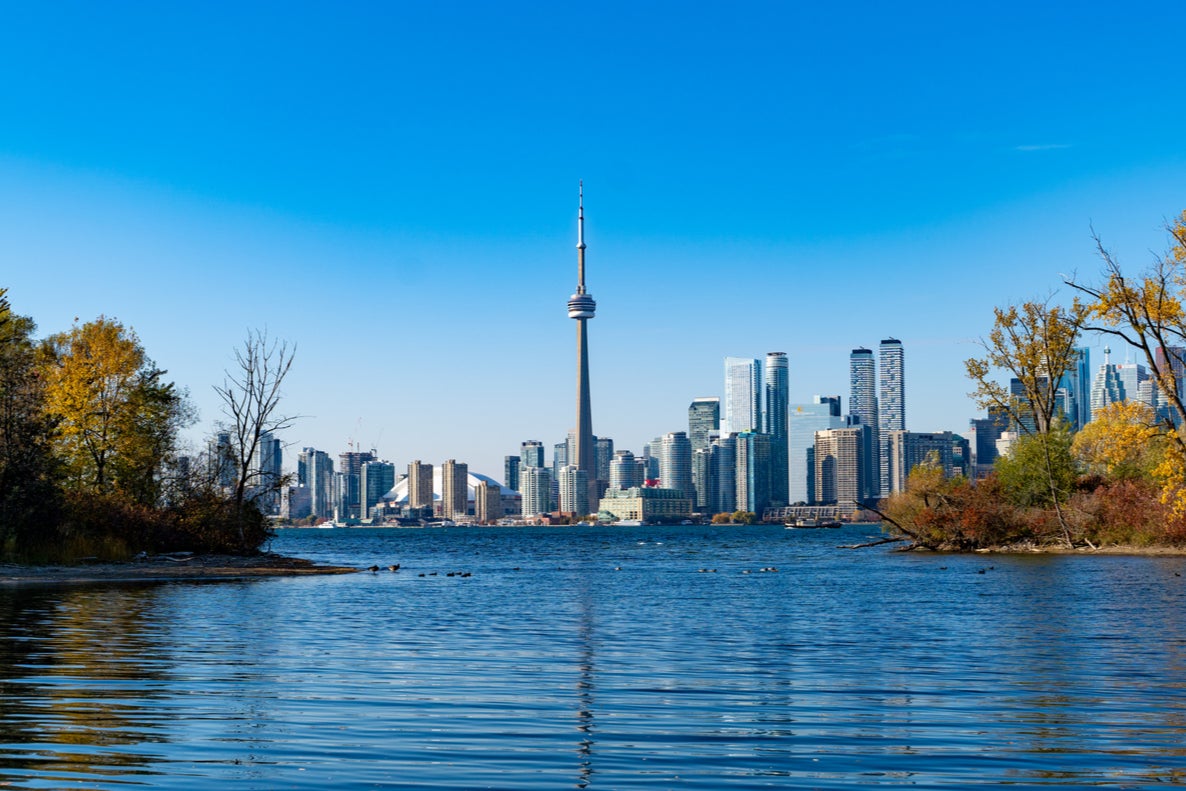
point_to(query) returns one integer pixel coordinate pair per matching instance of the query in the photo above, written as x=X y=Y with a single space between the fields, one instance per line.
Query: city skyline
x=399 y=207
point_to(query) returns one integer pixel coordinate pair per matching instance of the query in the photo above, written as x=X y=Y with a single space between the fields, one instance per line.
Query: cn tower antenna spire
x=581 y=237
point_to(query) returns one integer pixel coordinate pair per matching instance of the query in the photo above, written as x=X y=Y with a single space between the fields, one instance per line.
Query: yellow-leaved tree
x=1122 y=441
x=1147 y=312
x=116 y=420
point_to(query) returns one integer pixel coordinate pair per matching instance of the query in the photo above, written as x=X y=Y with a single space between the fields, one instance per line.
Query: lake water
x=604 y=658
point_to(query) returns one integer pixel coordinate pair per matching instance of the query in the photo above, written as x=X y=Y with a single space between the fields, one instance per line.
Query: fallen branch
x=878 y=542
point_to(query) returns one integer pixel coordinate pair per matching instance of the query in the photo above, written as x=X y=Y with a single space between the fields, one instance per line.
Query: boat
x=804 y=523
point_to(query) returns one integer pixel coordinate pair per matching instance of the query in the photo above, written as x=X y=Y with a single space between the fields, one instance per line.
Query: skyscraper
x=625 y=471
x=753 y=471
x=803 y=420
x=892 y=407
x=531 y=453
x=510 y=472
x=862 y=406
x=675 y=463
x=454 y=489
x=581 y=307
x=774 y=423
x=704 y=417
x=574 y=491
x=743 y=396
x=375 y=480
x=537 y=490
x=420 y=485
x=839 y=467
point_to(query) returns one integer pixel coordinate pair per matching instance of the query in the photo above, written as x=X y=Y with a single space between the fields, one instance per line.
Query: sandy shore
x=170 y=567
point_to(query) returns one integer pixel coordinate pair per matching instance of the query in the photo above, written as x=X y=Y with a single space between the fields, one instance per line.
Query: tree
x=1122 y=442
x=28 y=492
x=116 y=420
x=1035 y=344
x=1039 y=468
x=1147 y=312
x=251 y=400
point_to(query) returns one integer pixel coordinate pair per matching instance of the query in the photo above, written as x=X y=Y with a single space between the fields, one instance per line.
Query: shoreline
x=1056 y=549
x=165 y=568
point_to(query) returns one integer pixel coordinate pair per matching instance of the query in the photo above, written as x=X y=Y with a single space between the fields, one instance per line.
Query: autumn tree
x=116 y=419
x=1146 y=311
x=1123 y=441
x=1034 y=343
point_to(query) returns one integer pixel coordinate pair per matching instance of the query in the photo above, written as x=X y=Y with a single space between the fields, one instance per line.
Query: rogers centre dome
x=399 y=495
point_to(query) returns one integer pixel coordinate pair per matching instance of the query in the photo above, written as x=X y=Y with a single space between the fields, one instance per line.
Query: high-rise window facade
x=862 y=405
x=743 y=396
x=774 y=423
x=704 y=418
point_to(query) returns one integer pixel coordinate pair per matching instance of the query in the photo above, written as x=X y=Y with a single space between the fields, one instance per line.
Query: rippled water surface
x=604 y=658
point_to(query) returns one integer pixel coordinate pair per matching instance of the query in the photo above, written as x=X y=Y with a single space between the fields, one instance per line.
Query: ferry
x=804 y=523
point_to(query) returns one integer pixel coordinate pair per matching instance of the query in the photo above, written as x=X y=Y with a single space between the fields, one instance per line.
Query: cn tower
x=581 y=307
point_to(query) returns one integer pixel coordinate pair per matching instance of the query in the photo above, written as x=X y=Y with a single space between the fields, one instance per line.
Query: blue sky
x=392 y=188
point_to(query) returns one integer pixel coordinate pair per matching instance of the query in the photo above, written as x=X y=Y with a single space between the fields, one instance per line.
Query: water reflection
x=81 y=670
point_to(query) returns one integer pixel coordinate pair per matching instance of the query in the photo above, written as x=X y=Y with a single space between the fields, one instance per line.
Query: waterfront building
x=467 y=486
x=303 y=467
x=625 y=471
x=420 y=489
x=560 y=457
x=574 y=491
x=319 y=476
x=961 y=456
x=703 y=480
x=604 y=447
x=267 y=468
x=723 y=468
x=454 y=489
x=840 y=467
x=908 y=449
x=646 y=503
x=803 y=420
x=891 y=408
x=487 y=503
x=376 y=479
x=1073 y=396
x=350 y=499
x=704 y=418
x=753 y=477
x=862 y=408
x=537 y=491
x=983 y=434
x=743 y=396
x=774 y=424
x=581 y=308
x=295 y=503
x=531 y=453
x=675 y=463
x=510 y=471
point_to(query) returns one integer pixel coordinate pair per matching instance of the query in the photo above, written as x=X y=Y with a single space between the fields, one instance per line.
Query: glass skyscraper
x=862 y=406
x=774 y=423
x=892 y=406
x=743 y=396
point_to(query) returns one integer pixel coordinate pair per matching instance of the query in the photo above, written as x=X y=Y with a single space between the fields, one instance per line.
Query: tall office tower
x=1131 y=374
x=581 y=308
x=303 y=466
x=1171 y=363
x=605 y=454
x=625 y=471
x=724 y=469
x=983 y=434
x=675 y=463
x=560 y=458
x=510 y=471
x=487 y=503
x=454 y=489
x=574 y=491
x=1074 y=390
x=419 y=485
x=862 y=405
x=703 y=480
x=375 y=480
x=226 y=467
x=1108 y=387
x=803 y=420
x=267 y=466
x=350 y=466
x=840 y=469
x=908 y=449
x=531 y=453
x=774 y=423
x=537 y=491
x=743 y=396
x=891 y=409
x=341 y=492
x=704 y=418
x=319 y=472
x=753 y=478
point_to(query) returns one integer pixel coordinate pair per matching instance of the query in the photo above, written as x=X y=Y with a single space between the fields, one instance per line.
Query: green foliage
x=744 y=518
x=1026 y=478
